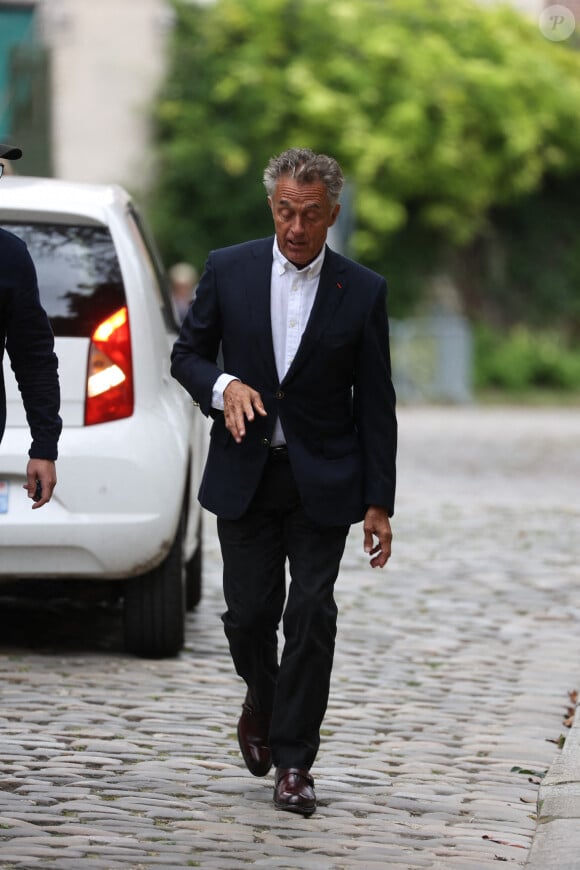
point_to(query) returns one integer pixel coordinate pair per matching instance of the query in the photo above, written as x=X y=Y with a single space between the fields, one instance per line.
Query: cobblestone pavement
x=451 y=682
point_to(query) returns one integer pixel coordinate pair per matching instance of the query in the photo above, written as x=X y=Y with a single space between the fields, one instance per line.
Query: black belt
x=279 y=452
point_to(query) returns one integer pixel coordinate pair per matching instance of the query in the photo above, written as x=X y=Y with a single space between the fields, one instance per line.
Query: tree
x=439 y=111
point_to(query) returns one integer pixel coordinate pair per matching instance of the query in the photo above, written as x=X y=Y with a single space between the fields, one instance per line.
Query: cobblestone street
x=450 y=687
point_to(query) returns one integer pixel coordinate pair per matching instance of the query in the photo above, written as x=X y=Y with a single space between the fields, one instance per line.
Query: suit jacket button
x=280 y=394
x=265 y=442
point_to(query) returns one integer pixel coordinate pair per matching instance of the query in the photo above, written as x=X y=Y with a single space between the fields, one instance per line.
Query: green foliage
x=526 y=266
x=522 y=358
x=438 y=110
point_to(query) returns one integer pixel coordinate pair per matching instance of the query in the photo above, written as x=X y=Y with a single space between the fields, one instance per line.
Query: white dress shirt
x=292 y=295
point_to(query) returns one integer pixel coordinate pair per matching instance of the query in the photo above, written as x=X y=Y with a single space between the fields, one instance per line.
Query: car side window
x=151 y=257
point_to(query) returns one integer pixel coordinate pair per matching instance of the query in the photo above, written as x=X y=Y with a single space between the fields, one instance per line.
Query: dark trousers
x=294 y=691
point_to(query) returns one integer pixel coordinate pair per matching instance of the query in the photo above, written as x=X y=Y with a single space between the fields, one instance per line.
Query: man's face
x=302 y=215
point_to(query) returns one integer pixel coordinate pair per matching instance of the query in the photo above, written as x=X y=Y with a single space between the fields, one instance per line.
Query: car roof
x=61 y=201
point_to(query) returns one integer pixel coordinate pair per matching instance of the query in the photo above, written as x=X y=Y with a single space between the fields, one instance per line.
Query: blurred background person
x=183 y=278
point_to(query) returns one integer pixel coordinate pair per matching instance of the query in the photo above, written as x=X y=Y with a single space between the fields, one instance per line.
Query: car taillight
x=110 y=371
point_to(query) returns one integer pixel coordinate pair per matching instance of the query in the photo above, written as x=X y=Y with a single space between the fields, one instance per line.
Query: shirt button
x=280 y=394
x=265 y=442
x=292 y=323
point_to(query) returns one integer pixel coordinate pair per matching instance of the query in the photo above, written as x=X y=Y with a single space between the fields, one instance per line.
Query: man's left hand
x=377 y=524
x=43 y=471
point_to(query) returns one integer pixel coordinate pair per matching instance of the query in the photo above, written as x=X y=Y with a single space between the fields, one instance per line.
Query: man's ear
x=334 y=214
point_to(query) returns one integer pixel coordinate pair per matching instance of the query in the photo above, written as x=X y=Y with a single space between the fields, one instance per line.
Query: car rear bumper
x=86 y=545
x=113 y=515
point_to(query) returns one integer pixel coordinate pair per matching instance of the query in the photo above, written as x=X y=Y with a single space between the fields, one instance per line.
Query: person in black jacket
x=303 y=444
x=26 y=335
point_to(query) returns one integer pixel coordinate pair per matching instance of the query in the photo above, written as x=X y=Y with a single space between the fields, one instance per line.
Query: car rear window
x=78 y=274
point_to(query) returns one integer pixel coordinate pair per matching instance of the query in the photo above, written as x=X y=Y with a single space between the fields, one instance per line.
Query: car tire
x=194 y=572
x=154 y=607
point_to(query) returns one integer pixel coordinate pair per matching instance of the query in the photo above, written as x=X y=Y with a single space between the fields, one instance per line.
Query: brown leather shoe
x=294 y=791
x=253 y=729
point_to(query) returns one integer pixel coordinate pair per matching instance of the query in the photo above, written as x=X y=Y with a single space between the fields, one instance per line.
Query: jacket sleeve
x=30 y=347
x=194 y=354
x=374 y=406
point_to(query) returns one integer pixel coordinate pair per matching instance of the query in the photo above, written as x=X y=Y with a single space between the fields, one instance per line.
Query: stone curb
x=556 y=843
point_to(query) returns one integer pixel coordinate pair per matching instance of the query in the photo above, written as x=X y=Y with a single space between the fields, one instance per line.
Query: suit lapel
x=258 y=278
x=328 y=297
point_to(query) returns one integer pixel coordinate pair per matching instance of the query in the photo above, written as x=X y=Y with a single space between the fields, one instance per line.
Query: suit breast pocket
x=336 y=356
x=337 y=340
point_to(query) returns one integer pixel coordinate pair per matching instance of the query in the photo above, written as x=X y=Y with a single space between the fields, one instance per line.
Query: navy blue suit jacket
x=336 y=403
x=26 y=334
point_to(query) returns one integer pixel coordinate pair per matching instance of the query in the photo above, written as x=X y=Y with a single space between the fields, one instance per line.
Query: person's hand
x=43 y=471
x=240 y=403
x=377 y=524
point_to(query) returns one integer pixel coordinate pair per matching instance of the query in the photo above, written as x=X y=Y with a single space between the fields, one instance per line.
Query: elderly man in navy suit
x=303 y=444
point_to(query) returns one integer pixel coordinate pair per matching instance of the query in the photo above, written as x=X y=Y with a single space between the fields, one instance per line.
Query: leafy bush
x=526 y=267
x=522 y=358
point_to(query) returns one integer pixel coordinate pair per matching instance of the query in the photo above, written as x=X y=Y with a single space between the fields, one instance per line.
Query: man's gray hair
x=305 y=166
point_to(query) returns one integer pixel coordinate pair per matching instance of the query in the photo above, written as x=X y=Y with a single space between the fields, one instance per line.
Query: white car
x=133 y=445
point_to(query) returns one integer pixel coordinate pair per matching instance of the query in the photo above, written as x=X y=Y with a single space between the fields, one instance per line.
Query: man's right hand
x=240 y=403
x=42 y=471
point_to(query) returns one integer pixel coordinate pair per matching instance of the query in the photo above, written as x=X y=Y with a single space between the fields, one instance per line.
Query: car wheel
x=193 y=572
x=154 y=610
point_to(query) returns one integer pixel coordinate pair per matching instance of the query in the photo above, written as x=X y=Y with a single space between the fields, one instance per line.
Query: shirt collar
x=282 y=264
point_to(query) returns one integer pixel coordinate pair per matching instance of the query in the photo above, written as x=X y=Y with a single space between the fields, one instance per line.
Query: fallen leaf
x=540 y=774
x=502 y=842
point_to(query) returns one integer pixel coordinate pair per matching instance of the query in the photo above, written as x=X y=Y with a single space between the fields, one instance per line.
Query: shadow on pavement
x=40 y=618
